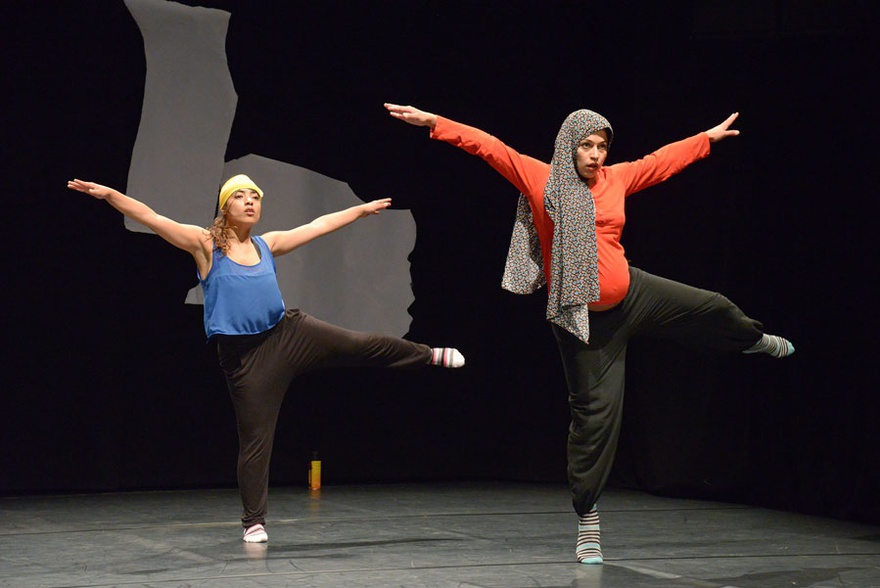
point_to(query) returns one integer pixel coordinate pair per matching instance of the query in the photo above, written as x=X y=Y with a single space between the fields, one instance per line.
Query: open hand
x=376 y=206
x=92 y=189
x=723 y=130
x=412 y=115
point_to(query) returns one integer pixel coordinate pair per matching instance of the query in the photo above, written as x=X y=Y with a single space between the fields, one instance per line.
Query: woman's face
x=591 y=154
x=244 y=207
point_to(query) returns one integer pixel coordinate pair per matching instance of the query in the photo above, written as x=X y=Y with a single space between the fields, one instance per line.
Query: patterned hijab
x=574 y=270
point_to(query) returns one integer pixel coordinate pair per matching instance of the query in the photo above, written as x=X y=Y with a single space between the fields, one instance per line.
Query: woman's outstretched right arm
x=526 y=173
x=195 y=240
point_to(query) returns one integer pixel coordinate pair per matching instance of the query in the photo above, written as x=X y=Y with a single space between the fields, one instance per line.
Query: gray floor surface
x=422 y=535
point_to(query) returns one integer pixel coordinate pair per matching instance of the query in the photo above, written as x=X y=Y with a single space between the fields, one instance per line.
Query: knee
x=721 y=303
x=724 y=307
x=354 y=342
x=587 y=408
x=588 y=436
x=254 y=438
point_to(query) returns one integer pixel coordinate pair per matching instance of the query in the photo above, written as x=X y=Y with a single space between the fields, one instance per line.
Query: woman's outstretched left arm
x=281 y=242
x=671 y=159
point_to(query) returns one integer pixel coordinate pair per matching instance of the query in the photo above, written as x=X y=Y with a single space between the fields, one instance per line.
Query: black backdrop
x=107 y=382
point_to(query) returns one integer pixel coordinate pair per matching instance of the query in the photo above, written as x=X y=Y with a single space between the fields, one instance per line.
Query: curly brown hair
x=219 y=231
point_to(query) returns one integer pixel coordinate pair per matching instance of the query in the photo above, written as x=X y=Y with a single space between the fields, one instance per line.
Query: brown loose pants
x=259 y=369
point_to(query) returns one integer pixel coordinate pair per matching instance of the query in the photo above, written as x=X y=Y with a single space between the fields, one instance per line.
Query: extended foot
x=447 y=357
x=772 y=345
x=589 y=548
x=255 y=534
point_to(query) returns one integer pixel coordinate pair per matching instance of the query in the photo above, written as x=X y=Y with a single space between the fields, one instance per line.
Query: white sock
x=447 y=357
x=255 y=534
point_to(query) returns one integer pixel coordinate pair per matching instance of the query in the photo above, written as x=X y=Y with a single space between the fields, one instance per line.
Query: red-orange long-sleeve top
x=613 y=184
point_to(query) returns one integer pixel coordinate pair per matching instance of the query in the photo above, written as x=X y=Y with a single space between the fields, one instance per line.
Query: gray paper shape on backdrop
x=357 y=278
x=189 y=105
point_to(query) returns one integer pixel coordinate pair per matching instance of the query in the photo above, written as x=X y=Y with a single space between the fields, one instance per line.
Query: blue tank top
x=242 y=299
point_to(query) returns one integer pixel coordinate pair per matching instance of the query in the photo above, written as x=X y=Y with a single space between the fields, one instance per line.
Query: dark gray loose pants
x=594 y=372
x=260 y=368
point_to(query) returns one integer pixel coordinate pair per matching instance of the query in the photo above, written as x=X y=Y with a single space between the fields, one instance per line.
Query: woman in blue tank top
x=261 y=345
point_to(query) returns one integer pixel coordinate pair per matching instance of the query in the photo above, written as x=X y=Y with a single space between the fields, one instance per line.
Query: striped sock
x=447 y=357
x=255 y=534
x=589 y=549
x=772 y=345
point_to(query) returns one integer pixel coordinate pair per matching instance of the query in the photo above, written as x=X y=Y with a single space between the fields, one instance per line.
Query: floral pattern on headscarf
x=574 y=271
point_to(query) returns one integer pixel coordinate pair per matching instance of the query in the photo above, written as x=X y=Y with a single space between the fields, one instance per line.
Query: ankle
x=589 y=548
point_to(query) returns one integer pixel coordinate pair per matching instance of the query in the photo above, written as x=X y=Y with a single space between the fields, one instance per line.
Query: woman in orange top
x=567 y=233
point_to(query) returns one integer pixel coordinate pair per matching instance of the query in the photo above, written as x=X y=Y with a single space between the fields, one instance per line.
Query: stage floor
x=422 y=535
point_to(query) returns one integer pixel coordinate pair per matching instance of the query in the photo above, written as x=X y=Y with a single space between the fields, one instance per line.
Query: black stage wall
x=107 y=381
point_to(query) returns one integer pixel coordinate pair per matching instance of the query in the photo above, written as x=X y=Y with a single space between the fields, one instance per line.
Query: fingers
x=376 y=206
x=79 y=185
x=397 y=108
x=401 y=112
x=723 y=130
x=411 y=115
x=90 y=188
x=726 y=125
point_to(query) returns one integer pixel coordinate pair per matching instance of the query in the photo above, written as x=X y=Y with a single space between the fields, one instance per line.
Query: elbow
x=320 y=227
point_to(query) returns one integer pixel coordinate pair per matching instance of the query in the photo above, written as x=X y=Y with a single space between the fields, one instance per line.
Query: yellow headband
x=234 y=184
